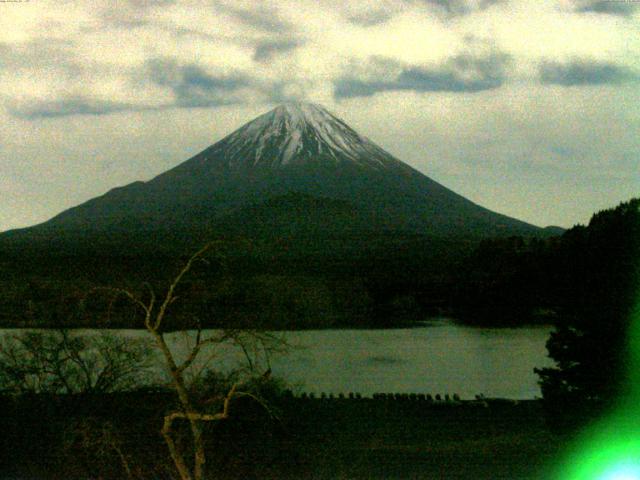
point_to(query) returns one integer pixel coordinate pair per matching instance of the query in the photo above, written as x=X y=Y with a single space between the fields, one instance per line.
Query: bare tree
x=97 y=444
x=65 y=362
x=155 y=310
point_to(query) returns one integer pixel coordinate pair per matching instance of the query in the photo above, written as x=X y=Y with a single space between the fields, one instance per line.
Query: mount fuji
x=296 y=168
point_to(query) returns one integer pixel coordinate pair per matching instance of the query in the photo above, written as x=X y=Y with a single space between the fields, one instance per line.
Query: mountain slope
x=295 y=148
x=298 y=134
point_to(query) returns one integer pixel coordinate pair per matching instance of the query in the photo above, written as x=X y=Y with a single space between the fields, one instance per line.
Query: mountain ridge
x=295 y=147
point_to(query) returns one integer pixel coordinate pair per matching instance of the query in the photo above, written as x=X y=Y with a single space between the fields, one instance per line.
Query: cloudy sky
x=530 y=108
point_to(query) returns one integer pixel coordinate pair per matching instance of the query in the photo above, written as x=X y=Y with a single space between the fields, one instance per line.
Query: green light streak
x=610 y=449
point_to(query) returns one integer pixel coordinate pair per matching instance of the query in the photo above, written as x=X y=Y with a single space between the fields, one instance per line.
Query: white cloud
x=75 y=77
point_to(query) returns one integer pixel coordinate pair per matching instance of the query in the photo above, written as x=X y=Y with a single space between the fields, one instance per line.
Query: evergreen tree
x=596 y=283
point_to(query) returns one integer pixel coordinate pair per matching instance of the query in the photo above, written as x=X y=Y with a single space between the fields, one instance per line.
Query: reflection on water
x=384 y=359
x=443 y=357
x=439 y=357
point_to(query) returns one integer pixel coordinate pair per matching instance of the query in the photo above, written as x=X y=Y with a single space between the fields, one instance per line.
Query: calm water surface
x=439 y=357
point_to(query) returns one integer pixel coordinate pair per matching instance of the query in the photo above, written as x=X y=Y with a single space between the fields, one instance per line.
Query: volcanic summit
x=276 y=168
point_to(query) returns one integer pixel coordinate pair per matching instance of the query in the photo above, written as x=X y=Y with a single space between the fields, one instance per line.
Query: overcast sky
x=529 y=108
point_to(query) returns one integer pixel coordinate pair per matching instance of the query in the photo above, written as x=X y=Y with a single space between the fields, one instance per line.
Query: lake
x=441 y=357
x=438 y=357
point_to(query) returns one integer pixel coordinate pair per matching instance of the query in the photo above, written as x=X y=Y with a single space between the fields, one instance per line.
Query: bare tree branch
x=170 y=297
x=249 y=341
x=200 y=344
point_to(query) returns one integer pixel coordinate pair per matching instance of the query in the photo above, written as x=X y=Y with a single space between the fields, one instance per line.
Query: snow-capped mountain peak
x=297 y=134
x=297 y=149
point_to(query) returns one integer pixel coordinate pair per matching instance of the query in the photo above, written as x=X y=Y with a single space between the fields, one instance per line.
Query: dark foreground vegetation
x=584 y=281
x=117 y=436
x=599 y=288
x=313 y=279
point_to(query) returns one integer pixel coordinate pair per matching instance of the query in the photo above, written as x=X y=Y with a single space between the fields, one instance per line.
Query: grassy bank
x=81 y=437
